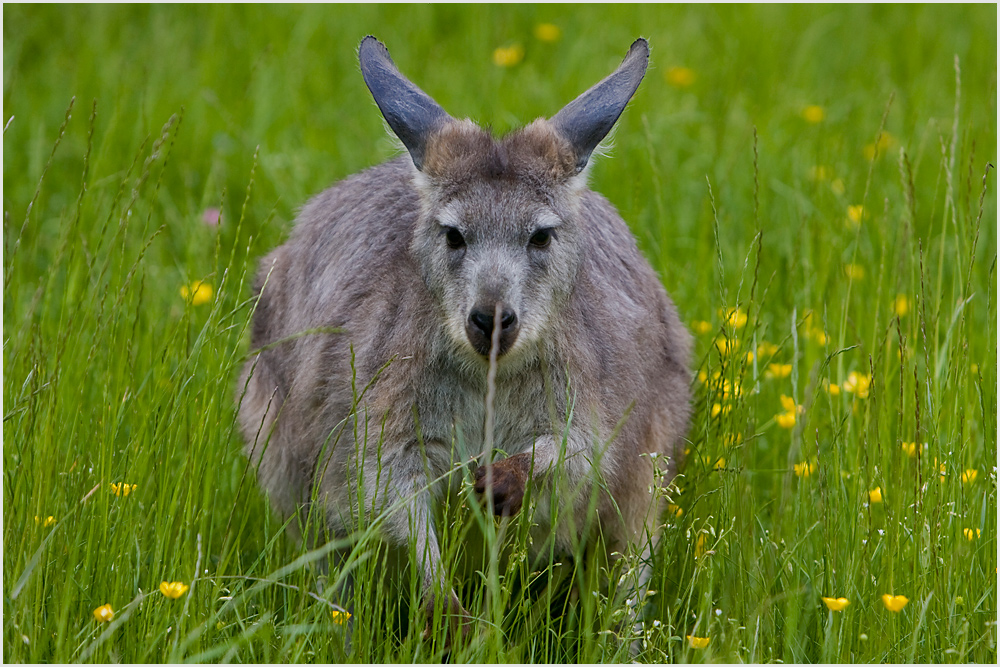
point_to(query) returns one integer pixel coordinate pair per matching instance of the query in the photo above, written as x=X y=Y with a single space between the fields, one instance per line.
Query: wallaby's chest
x=452 y=412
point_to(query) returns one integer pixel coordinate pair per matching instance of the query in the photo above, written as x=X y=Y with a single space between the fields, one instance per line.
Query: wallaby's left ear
x=585 y=121
x=411 y=113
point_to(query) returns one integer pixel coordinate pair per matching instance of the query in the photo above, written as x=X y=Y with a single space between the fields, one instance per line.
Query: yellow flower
x=820 y=173
x=46 y=522
x=702 y=377
x=836 y=604
x=817 y=335
x=875 y=495
x=676 y=510
x=733 y=439
x=508 y=56
x=894 y=602
x=788 y=404
x=942 y=468
x=858 y=384
x=680 y=77
x=173 y=589
x=340 y=617
x=785 y=419
x=854 y=271
x=547 y=32
x=699 y=546
x=778 y=371
x=971 y=534
x=968 y=477
x=104 y=613
x=974 y=368
x=901 y=305
x=833 y=389
x=725 y=345
x=911 y=448
x=730 y=389
x=885 y=140
x=698 y=642
x=701 y=327
x=123 y=489
x=766 y=349
x=716 y=409
x=854 y=213
x=805 y=468
x=734 y=317
x=814 y=114
x=197 y=293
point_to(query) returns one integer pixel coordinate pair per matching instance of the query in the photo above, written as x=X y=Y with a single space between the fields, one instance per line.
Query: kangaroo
x=422 y=262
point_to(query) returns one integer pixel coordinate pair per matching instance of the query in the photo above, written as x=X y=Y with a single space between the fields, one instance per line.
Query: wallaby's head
x=499 y=221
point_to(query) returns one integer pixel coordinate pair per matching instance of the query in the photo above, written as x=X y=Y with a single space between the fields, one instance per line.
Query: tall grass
x=820 y=206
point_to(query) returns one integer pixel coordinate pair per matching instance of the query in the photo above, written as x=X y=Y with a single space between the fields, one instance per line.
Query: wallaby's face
x=499 y=234
x=495 y=231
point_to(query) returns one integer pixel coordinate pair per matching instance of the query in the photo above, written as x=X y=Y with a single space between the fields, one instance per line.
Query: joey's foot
x=506 y=483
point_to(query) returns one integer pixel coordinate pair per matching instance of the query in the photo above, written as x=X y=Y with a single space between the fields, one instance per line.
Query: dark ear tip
x=371 y=47
x=639 y=49
x=641 y=44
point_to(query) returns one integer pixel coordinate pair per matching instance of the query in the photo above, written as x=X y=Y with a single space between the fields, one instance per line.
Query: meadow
x=813 y=184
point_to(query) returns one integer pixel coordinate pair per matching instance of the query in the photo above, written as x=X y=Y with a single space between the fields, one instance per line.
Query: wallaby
x=396 y=278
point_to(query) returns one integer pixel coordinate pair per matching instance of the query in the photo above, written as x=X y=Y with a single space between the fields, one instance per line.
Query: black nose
x=483 y=321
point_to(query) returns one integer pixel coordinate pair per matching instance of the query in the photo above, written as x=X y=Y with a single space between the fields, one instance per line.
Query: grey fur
x=371 y=256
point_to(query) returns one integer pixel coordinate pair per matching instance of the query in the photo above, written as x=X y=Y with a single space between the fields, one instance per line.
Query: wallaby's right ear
x=410 y=112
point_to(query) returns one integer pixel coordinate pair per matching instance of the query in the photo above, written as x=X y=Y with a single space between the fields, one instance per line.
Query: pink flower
x=211 y=217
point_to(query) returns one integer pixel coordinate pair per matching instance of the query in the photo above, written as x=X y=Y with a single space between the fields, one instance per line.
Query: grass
x=857 y=237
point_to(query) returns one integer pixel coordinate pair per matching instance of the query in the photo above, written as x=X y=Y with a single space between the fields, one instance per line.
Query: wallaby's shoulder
x=364 y=220
x=380 y=198
x=313 y=279
x=623 y=298
x=611 y=261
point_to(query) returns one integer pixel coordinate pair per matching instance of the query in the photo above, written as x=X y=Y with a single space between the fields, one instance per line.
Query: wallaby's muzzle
x=479 y=328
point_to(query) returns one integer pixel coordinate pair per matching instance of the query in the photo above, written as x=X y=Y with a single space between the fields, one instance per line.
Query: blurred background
x=286 y=80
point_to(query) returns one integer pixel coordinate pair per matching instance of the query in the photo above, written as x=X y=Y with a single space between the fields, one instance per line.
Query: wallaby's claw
x=508 y=479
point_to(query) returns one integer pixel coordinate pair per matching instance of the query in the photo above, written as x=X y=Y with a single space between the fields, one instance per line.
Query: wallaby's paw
x=507 y=480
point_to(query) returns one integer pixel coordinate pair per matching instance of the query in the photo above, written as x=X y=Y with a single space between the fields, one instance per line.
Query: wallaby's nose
x=483 y=320
x=479 y=328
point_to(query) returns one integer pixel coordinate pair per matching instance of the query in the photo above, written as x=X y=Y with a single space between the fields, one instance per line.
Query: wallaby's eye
x=454 y=238
x=541 y=239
